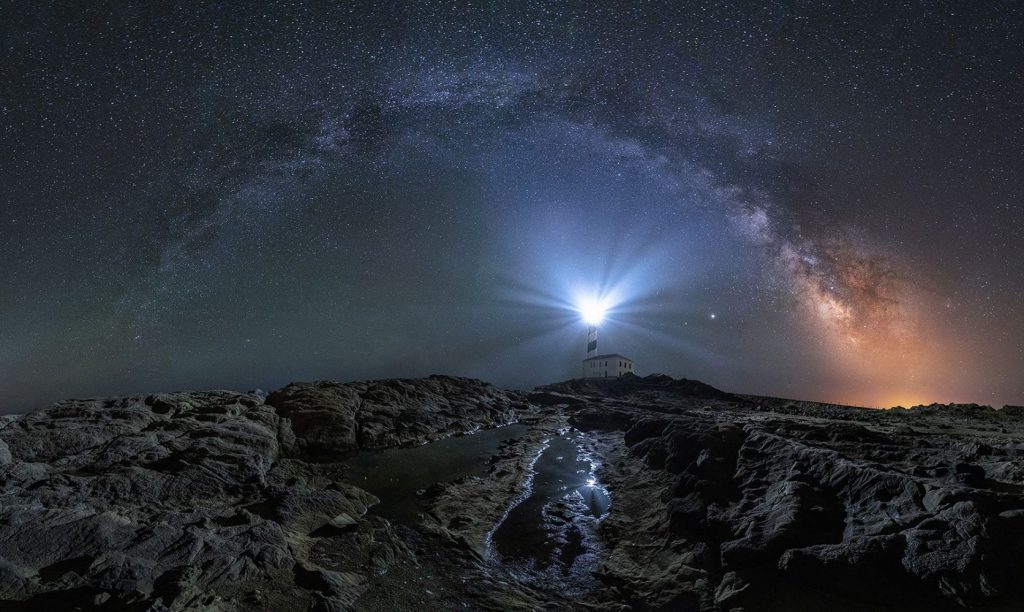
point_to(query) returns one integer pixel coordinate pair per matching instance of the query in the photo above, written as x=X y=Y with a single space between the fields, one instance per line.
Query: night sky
x=800 y=200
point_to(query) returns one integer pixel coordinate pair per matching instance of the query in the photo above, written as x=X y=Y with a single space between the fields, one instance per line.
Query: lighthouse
x=611 y=365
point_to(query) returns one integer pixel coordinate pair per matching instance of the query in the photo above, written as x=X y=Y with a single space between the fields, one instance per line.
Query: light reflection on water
x=549 y=538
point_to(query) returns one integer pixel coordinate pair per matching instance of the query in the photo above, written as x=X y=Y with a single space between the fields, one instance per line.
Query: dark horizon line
x=271 y=388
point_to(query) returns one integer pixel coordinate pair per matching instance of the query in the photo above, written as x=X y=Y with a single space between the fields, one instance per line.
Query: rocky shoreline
x=213 y=500
x=238 y=501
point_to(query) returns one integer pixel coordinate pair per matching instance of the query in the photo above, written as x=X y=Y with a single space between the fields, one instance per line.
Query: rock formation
x=211 y=500
x=239 y=501
x=804 y=507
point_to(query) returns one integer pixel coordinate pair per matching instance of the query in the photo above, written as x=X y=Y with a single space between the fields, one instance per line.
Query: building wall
x=607 y=368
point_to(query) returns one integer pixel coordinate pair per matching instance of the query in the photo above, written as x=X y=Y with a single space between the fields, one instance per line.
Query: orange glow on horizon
x=878 y=329
x=883 y=401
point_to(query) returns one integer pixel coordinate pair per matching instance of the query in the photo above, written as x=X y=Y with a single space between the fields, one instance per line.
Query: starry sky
x=803 y=199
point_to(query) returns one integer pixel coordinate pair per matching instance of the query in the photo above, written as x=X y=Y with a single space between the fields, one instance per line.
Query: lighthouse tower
x=591 y=341
x=610 y=365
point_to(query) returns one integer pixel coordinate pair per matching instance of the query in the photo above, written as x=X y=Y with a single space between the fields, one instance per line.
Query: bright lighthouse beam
x=592 y=311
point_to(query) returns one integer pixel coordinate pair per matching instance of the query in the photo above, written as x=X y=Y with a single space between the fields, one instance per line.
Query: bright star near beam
x=592 y=311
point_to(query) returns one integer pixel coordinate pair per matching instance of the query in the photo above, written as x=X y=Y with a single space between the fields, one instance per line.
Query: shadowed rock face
x=206 y=499
x=333 y=420
x=232 y=501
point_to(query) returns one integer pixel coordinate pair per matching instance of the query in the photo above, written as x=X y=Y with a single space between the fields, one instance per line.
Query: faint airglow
x=905 y=400
x=592 y=310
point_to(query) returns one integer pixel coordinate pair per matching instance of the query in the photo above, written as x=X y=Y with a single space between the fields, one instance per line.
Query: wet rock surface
x=236 y=501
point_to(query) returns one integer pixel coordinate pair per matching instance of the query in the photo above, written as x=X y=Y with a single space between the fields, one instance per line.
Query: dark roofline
x=608 y=356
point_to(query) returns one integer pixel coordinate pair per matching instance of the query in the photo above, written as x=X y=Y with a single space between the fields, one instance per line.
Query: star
x=367 y=193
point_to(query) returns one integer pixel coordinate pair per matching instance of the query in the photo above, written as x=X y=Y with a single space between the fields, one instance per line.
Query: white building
x=612 y=365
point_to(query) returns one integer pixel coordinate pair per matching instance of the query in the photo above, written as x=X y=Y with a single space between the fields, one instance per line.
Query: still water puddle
x=549 y=538
x=398 y=476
